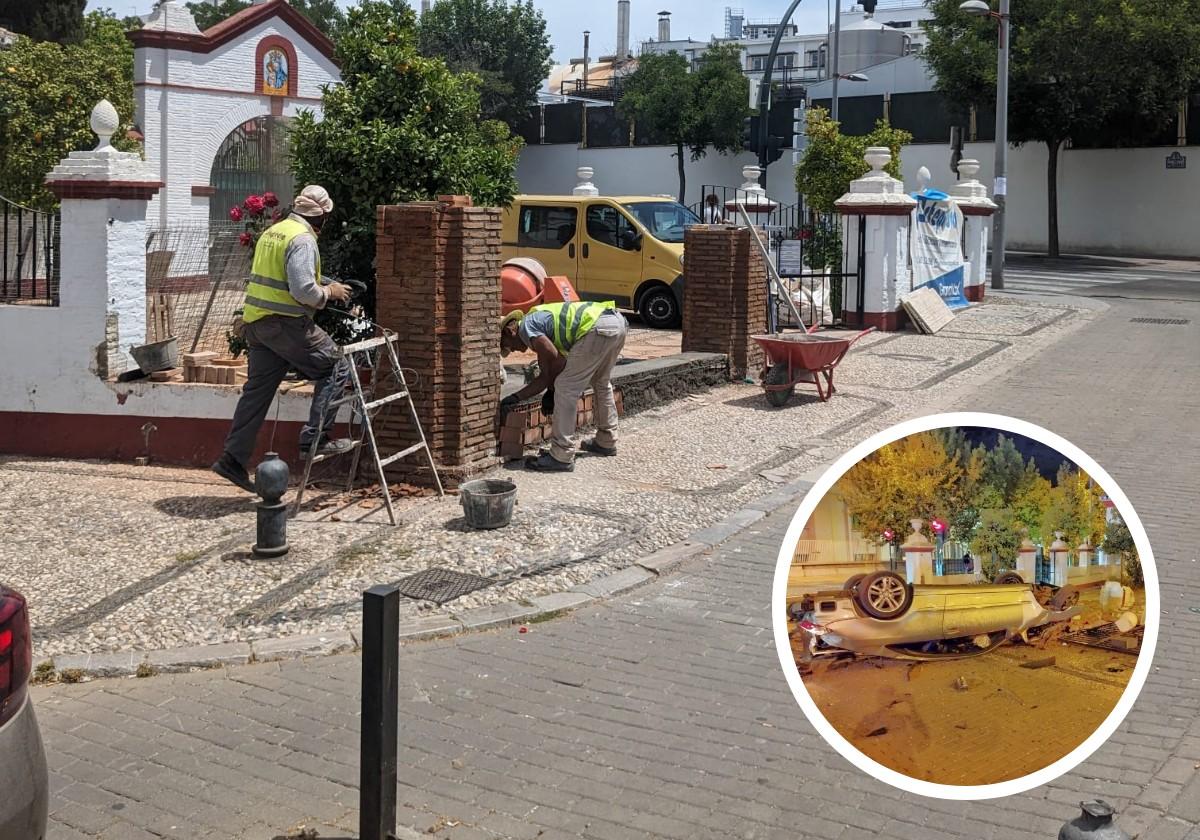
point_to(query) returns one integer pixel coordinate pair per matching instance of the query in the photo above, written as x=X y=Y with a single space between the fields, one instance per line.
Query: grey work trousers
x=278 y=344
x=589 y=365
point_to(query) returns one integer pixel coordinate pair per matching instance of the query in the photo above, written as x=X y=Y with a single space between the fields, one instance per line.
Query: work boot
x=328 y=446
x=548 y=463
x=229 y=469
x=591 y=446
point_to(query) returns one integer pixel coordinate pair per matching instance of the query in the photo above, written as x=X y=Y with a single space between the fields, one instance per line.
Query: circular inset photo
x=965 y=606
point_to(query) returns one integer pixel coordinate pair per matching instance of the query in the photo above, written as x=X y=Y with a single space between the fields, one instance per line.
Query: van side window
x=546 y=227
x=606 y=224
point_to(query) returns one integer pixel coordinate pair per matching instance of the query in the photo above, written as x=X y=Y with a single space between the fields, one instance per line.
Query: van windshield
x=665 y=220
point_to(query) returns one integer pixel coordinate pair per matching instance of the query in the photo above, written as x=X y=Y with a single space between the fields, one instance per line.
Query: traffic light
x=750 y=134
x=775 y=147
x=799 y=135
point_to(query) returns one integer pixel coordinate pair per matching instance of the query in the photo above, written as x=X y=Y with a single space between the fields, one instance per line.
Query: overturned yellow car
x=881 y=614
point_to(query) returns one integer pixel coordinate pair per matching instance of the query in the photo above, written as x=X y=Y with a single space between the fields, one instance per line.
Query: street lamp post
x=1000 y=188
x=834 y=70
x=764 y=95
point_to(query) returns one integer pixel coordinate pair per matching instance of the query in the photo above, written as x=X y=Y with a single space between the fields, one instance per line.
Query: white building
x=894 y=29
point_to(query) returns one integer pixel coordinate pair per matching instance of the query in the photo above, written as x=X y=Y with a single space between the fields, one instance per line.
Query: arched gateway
x=214 y=105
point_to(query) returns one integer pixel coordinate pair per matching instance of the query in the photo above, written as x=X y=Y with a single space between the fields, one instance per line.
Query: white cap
x=313 y=201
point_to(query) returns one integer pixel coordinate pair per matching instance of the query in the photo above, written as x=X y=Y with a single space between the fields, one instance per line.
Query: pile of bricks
x=206 y=368
x=526 y=426
x=438 y=286
x=726 y=300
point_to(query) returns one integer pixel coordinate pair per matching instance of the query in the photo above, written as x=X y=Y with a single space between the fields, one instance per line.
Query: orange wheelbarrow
x=802 y=359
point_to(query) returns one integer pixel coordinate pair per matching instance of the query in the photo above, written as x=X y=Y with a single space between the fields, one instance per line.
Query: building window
x=758 y=63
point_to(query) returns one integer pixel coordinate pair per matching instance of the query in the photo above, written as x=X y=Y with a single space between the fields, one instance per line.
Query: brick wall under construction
x=725 y=301
x=438 y=287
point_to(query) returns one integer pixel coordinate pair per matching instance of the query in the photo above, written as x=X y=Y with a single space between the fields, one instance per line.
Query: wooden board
x=927 y=310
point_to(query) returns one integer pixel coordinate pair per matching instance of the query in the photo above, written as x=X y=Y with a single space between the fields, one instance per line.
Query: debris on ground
x=1039 y=663
x=960 y=684
x=882 y=730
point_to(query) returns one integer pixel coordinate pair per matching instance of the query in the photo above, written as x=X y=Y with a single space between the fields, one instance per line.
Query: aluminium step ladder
x=366 y=405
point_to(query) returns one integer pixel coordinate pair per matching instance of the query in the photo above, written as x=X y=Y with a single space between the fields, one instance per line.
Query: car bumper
x=23 y=778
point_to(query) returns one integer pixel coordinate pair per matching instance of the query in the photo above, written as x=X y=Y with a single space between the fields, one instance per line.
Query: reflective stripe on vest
x=572 y=321
x=268 y=293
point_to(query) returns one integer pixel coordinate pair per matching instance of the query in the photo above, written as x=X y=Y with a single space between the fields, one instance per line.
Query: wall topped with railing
x=29 y=247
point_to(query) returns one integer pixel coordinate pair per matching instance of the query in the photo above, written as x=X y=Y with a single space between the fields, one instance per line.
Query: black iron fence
x=808 y=250
x=29 y=255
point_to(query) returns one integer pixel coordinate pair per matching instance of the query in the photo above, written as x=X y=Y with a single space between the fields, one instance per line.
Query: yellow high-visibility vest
x=267 y=293
x=572 y=321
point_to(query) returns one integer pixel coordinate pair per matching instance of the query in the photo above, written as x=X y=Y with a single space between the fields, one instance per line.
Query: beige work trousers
x=589 y=365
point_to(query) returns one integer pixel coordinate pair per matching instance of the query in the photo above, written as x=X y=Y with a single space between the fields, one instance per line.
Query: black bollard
x=380 y=713
x=271 y=482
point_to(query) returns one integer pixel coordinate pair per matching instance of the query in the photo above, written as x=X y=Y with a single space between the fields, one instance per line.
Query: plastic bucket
x=161 y=355
x=488 y=502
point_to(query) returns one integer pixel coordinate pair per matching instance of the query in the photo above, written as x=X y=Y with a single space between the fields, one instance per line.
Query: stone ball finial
x=105 y=123
x=968 y=168
x=924 y=176
x=585 y=186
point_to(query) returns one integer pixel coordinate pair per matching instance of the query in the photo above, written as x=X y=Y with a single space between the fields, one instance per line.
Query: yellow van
x=628 y=249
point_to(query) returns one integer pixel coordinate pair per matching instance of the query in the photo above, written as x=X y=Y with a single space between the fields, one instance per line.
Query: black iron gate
x=29 y=255
x=255 y=158
x=808 y=250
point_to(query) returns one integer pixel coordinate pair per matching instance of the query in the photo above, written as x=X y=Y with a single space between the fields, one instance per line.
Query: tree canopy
x=60 y=21
x=505 y=45
x=400 y=127
x=326 y=15
x=1076 y=67
x=47 y=92
x=990 y=496
x=832 y=159
x=690 y=110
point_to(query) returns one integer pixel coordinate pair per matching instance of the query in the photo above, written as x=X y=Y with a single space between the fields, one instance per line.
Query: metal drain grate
x=1108 y=637
x=1168 y=321
x=441 y=585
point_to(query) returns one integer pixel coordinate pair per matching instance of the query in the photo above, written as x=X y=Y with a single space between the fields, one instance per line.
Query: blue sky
x=566 y=19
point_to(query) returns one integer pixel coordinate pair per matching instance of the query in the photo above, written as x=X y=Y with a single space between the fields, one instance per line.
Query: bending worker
x=285 y=291
x=577 y=346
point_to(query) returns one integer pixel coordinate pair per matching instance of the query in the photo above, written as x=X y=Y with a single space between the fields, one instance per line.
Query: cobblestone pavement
x=122 y=558
x=661 y=713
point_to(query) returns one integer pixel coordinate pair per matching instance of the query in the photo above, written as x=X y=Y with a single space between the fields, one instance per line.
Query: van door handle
x=571 y=251
x=585 y=250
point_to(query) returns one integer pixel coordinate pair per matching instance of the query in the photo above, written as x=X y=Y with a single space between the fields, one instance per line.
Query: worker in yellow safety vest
x=577 y=346
x=285 y=291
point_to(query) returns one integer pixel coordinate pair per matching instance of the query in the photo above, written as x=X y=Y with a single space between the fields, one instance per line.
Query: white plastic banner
x=937 y=256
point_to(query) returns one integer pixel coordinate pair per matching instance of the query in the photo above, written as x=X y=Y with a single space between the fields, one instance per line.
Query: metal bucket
x=161 y=355
x=488 y=502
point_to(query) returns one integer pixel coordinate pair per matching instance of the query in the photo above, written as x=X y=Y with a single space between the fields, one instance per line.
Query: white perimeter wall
x=1111 y=201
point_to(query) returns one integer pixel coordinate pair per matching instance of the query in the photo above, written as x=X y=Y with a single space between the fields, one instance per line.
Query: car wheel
x=852 y=582
x=884 y=595
x=658 y=308
x=1009 y=577
x=778 y=375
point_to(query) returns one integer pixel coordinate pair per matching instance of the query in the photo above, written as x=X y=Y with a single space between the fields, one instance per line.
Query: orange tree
x=400 y=128
x=47 y=92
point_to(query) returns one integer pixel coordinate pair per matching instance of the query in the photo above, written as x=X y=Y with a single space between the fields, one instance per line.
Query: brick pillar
x=726 y=298
x=438 y=287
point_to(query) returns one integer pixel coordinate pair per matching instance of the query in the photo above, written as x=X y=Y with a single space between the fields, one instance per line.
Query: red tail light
x=16 y=653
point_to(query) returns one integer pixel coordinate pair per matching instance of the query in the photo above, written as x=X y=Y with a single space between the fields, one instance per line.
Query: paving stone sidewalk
x=661 y=713
x=118 y=561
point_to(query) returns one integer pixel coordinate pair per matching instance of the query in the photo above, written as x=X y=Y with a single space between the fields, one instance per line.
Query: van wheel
x=658 y=308
x=1009 y=577
x=884 y=595
x=852 y=582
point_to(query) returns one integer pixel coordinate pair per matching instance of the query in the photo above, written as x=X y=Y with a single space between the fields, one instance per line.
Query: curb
x=652 y=567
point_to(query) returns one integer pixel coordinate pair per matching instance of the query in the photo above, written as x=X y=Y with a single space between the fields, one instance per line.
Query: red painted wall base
x=187 y=441
x=974 y=293
x=882 y=321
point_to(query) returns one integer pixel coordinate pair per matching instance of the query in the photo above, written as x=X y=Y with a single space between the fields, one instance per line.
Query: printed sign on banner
x=937 y=257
